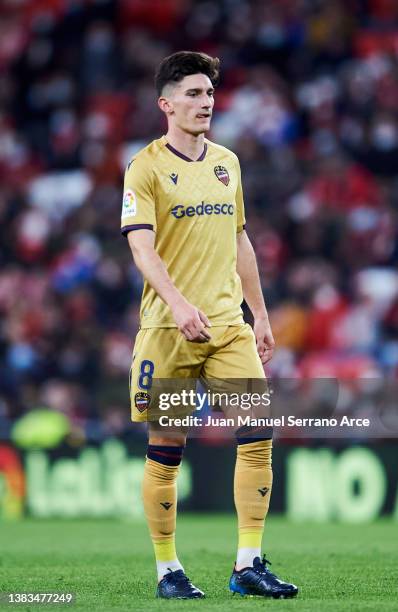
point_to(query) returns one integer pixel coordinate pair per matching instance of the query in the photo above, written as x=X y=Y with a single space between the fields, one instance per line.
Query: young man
x=184 y=218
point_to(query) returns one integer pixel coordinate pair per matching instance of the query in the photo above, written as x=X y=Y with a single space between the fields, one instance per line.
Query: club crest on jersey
x=129 y=208
x=222 y=174
x=141 y=401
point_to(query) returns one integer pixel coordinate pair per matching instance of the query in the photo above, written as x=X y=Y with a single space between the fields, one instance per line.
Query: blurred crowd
x=308 y=101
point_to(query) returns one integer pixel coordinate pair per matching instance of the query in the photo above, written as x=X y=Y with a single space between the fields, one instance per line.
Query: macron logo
x=180 y=211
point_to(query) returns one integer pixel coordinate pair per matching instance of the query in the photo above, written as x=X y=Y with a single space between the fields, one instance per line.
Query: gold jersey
x=195 y=209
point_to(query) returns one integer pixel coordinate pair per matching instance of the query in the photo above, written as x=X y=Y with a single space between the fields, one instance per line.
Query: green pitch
x=109 y=564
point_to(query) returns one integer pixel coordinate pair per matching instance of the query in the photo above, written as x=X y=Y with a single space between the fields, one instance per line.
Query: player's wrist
x=260 y=316
x=176 y=301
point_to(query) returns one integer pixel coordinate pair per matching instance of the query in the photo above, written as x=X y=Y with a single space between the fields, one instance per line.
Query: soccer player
x=183 y=214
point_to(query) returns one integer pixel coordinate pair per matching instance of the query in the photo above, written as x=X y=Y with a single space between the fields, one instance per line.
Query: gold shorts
x=163 y=358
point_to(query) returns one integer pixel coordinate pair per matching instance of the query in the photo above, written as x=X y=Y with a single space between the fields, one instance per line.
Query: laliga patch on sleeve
x=129 y=208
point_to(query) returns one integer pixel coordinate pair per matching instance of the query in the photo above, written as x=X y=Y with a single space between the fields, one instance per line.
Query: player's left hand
x=264 y=339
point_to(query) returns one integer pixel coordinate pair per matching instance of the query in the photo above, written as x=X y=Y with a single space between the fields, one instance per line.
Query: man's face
x=189 y=103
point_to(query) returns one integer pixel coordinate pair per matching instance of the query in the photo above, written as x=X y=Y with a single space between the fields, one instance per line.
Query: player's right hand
x=191 y=322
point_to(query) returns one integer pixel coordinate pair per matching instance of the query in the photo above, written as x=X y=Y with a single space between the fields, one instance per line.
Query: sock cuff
x=166 y=455
x=253 y=435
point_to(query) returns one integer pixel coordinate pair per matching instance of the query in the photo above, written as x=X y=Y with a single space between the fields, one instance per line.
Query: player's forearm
x=248 y=272
x=155 y=273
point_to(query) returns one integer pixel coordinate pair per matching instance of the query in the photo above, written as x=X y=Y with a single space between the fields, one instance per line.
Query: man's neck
x=188 y=144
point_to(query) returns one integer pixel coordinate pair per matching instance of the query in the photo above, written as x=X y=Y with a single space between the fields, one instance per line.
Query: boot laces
x=263 y=569
x=178 y=576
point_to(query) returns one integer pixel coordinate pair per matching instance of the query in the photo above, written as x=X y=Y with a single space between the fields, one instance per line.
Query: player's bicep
x=243 y=244
x=141 y=240
x=241 y=239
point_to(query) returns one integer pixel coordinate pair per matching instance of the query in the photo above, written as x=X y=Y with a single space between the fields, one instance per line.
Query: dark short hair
x=183 y=63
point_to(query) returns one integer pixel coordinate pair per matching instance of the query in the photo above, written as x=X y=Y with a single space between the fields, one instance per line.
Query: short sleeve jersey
x=195 y=209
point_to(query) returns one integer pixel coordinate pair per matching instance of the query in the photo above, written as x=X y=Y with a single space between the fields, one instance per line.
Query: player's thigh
x=163 y=363
x=235 y=356
x=235 y=369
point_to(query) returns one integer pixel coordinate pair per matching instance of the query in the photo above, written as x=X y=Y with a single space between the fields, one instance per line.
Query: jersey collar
x=184 y=157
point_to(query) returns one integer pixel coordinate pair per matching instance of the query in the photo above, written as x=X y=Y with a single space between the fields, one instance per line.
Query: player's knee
x=172 y=440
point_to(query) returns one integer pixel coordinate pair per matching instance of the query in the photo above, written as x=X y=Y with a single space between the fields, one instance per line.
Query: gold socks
x=252 y=492
x=159 y=492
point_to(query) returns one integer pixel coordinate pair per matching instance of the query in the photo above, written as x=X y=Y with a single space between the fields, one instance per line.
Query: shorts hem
x=171 y=326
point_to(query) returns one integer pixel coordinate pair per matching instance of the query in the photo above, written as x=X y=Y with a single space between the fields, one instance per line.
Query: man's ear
x=165 y=105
